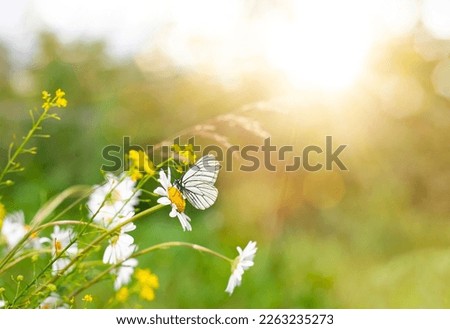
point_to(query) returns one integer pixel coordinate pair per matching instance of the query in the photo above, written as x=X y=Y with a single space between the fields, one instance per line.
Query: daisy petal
x=164 y=200
x=160 y=191
x=241 y=263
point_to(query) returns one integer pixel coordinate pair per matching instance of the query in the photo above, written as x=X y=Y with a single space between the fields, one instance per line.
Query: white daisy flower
x=113 y=200
x=170 y=195
x=14 y=229
x=241 y=263
x=60 y=264
x=124 y=273
x=53 y=301
x=60 y=239
x=120 y=248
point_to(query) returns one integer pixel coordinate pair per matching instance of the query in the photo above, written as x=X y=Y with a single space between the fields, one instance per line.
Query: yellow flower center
x=34 y=234
x=176 y=198
x=58 y=246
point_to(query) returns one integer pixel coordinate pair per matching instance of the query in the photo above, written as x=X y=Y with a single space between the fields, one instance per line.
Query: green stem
x=51 y=205
x=67 y=222
x=26 y=139
x=11 y=253
x=96 y=242
x=164 y=245
x=82 y=253
x=23 y=257
x=35 y=279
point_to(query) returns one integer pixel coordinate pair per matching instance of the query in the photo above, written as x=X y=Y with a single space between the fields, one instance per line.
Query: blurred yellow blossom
x=146 y=277
x=2 y=213
x=60 y=93
x=139 y=162
x=87 y=298
x=147 y=293
x=122 y=295
x=46 y=95
x=186 y=153
x=46 y=105
x=61 y=102
x=135 y=174
x=147 y=282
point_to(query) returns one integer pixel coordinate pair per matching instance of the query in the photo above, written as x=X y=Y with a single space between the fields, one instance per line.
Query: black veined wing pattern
x=197 y=184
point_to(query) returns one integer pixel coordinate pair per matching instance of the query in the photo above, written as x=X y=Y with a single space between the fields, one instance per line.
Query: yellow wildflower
x=186 y=153
x=133 y=155
x=154 y=281
x=135 y=174
x=46 y=95
x=139 y=161
x=61 y=102
x=87 y=298
x=147 y=282
x=58 y=100
x=46 y=105
x=147 y=293
x=122 y=295
x=146 y=277
x=2 y=213
x=60 y=93
x=149 y=168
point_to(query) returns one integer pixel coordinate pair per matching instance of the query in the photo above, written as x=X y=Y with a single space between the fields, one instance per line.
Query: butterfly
x=197 y=184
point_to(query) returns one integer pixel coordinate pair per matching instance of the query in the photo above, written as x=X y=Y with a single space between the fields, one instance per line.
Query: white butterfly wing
x=205 y=170
x=197 y=184
x=203 y=197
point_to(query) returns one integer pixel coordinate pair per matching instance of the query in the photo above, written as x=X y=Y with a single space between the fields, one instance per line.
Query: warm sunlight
x=201 y=157
x=318 y=45
x=324 y=46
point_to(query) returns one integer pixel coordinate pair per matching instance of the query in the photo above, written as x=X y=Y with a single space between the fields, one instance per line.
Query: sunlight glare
x=320 y=45
x=324 y=47
x=436 y=18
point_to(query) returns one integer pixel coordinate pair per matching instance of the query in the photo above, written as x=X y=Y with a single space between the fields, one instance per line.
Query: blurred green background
x=375 y=236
